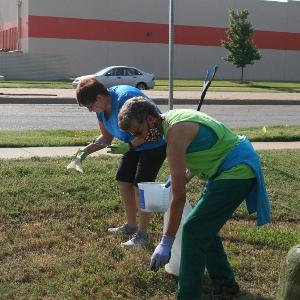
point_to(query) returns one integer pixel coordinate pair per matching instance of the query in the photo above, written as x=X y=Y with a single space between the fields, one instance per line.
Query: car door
x=119 y=76
x=132 y=76
x=114 y=76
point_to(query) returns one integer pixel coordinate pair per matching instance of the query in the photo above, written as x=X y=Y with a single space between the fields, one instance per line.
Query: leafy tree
x=239 y=43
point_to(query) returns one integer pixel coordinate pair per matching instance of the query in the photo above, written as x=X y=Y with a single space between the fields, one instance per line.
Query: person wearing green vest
x=208 y=149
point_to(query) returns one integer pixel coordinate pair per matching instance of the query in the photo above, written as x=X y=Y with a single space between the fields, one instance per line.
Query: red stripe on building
x=99 y=30
x=197 y=35
x=139 y=32
x=277 y=40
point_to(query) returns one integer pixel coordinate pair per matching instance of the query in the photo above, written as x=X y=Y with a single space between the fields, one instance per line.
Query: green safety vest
x=204 y=163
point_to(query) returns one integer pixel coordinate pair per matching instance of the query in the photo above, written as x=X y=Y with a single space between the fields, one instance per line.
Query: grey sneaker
x=138 y=239
x=124 y=229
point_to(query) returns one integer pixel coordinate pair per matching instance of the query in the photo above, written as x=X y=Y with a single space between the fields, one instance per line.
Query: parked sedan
x=117 y=75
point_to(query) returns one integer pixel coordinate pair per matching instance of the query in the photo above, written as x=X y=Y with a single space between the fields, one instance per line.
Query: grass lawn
x=40 y=84
x=54 y=244
x=231 y=86
x=185 y=85
x=48 y=138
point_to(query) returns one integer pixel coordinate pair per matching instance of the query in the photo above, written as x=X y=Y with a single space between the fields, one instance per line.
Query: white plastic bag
x=173 y=266
x=75 y=164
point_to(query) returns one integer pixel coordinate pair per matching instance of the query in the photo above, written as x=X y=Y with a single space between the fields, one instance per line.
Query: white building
x=61 y=38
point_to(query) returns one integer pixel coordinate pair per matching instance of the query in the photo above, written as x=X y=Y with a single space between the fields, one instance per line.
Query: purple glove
x=162 y=253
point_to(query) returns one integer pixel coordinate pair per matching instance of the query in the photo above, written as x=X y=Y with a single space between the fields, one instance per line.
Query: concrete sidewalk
x=67 y=96
x=11 y=153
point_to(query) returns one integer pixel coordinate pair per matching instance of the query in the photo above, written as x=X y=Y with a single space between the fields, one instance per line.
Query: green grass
x=54 y=243
x=232 y=86
x=41 y=84
x=179 y=85
x=48 y=138
x=279 y=133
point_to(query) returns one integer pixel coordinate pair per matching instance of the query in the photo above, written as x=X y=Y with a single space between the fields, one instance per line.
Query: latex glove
x=81 y=154
x=120 y=148
x=162 y=253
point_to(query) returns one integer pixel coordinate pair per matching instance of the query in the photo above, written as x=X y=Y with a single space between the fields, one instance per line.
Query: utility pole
x=171 y=52
x=19 y=3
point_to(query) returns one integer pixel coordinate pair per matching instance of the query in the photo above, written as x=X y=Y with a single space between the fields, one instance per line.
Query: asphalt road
x=69 y=116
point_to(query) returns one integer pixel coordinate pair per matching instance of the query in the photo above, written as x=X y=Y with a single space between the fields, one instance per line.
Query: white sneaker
x=124 y=229
x=138 y=240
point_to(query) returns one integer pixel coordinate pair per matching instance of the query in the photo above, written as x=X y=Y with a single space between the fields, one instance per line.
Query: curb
x=158 y=101
x=67 y=151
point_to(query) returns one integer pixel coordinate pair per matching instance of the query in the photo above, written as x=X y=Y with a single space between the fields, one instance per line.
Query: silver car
x=117 y=75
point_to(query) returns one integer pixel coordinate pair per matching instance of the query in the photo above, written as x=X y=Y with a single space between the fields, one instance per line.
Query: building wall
x=33 y=66
x=8 y=13
x=139 y=10
x=10 y=27
x=93 y=34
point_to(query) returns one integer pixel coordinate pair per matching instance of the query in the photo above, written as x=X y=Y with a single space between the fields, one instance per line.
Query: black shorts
x=141 y=166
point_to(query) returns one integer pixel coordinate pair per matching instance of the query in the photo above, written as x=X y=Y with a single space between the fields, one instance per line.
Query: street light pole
x=171 y=52
x=19 y=34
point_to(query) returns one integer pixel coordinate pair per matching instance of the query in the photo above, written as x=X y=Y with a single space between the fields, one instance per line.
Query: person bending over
x=142 y=157
x=208 y=149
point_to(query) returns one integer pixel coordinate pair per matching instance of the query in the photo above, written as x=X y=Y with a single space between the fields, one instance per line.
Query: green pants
x=201 y=245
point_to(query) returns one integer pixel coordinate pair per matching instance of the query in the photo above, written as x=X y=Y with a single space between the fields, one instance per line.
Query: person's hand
x=120 y=148
x=162 y=253
x=81 y=153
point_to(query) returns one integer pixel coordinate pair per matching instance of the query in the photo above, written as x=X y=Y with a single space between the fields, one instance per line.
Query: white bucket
x=154 y=196
x=173 y=266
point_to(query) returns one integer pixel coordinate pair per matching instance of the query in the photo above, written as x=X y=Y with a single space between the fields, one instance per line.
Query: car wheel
x=141 y=86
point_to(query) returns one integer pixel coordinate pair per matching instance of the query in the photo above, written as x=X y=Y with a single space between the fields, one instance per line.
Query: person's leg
x=125 y=177
x=214 y=208
x=150 y=161
x=127 y=192
x=217 y=264
x=148 y=166
x=222 y=280
x=144 y=217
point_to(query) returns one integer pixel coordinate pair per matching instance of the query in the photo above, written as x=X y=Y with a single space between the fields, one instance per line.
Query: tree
x=239 y=43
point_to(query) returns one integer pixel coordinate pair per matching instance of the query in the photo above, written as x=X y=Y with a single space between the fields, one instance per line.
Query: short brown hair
x=88 y=89
x=138 y=109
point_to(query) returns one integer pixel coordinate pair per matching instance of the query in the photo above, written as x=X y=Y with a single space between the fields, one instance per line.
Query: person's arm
x=99 y=143
x=137 y=141
x=124 y=147
x=179 y=137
